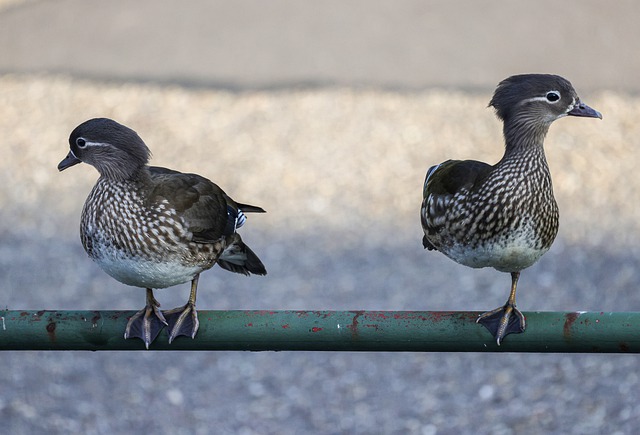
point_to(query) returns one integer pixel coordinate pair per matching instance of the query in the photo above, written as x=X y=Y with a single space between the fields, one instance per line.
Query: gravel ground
x=340 y=173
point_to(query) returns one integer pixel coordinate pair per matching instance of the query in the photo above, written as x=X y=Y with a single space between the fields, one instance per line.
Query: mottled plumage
x=154 y=227
x=503 y=215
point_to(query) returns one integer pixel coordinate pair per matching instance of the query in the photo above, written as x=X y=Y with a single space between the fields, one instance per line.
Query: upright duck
x=153 y=227
x=504 y=215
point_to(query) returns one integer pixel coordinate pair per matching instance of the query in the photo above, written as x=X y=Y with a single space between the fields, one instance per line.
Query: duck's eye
x=81 y=142
x=553 y=96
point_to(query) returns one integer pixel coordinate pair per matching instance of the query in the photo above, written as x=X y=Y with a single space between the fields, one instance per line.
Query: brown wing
x=201 y=203
x=449 y=177
x=210 y=215
x=442 y=182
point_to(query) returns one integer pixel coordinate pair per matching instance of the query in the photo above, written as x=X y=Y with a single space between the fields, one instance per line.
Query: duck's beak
x=68 y=161
x=581 y=109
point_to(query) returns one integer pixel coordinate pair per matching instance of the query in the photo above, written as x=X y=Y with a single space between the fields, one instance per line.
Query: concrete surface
x=406 y=44
x=339 y=169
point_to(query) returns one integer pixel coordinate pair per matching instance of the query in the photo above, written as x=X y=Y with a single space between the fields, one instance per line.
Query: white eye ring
x=553 y=96
x=81 y=143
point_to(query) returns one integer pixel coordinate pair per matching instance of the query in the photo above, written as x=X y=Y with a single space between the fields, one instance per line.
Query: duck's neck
x=125 y=175
x=524 y=140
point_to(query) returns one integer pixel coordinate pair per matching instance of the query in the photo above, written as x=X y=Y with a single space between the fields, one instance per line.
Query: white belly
x=503 y=258
x=144 y=273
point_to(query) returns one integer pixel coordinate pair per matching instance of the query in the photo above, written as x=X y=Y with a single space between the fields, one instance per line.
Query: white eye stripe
x=528 y=100
x=95 y=144
x=83 y=143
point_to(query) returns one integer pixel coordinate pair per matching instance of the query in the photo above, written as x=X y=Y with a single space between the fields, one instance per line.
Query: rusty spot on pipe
x=569 y=320
x=94 y=320
x=51 y=330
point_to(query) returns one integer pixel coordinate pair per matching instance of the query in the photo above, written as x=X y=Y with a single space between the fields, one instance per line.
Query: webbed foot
x=182 y=321
x=147 y=323
x=503 y=321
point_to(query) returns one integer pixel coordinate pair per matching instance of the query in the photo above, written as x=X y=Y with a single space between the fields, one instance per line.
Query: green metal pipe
x=409 y=331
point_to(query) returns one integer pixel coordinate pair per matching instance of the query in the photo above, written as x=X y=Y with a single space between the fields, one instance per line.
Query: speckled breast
x=143 y=246
x=508 y=223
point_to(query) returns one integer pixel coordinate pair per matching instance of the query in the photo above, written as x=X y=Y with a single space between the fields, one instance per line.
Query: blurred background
x=327 y=114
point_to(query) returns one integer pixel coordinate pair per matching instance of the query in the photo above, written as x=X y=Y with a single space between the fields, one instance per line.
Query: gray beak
x=68 y=161
x=582 y=109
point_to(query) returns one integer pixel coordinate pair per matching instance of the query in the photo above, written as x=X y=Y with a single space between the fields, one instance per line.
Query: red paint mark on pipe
x=438 y=316
x=409 y=316
x=316 y=329
x=354 y=322
x=249 y=324
x=285 y=326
